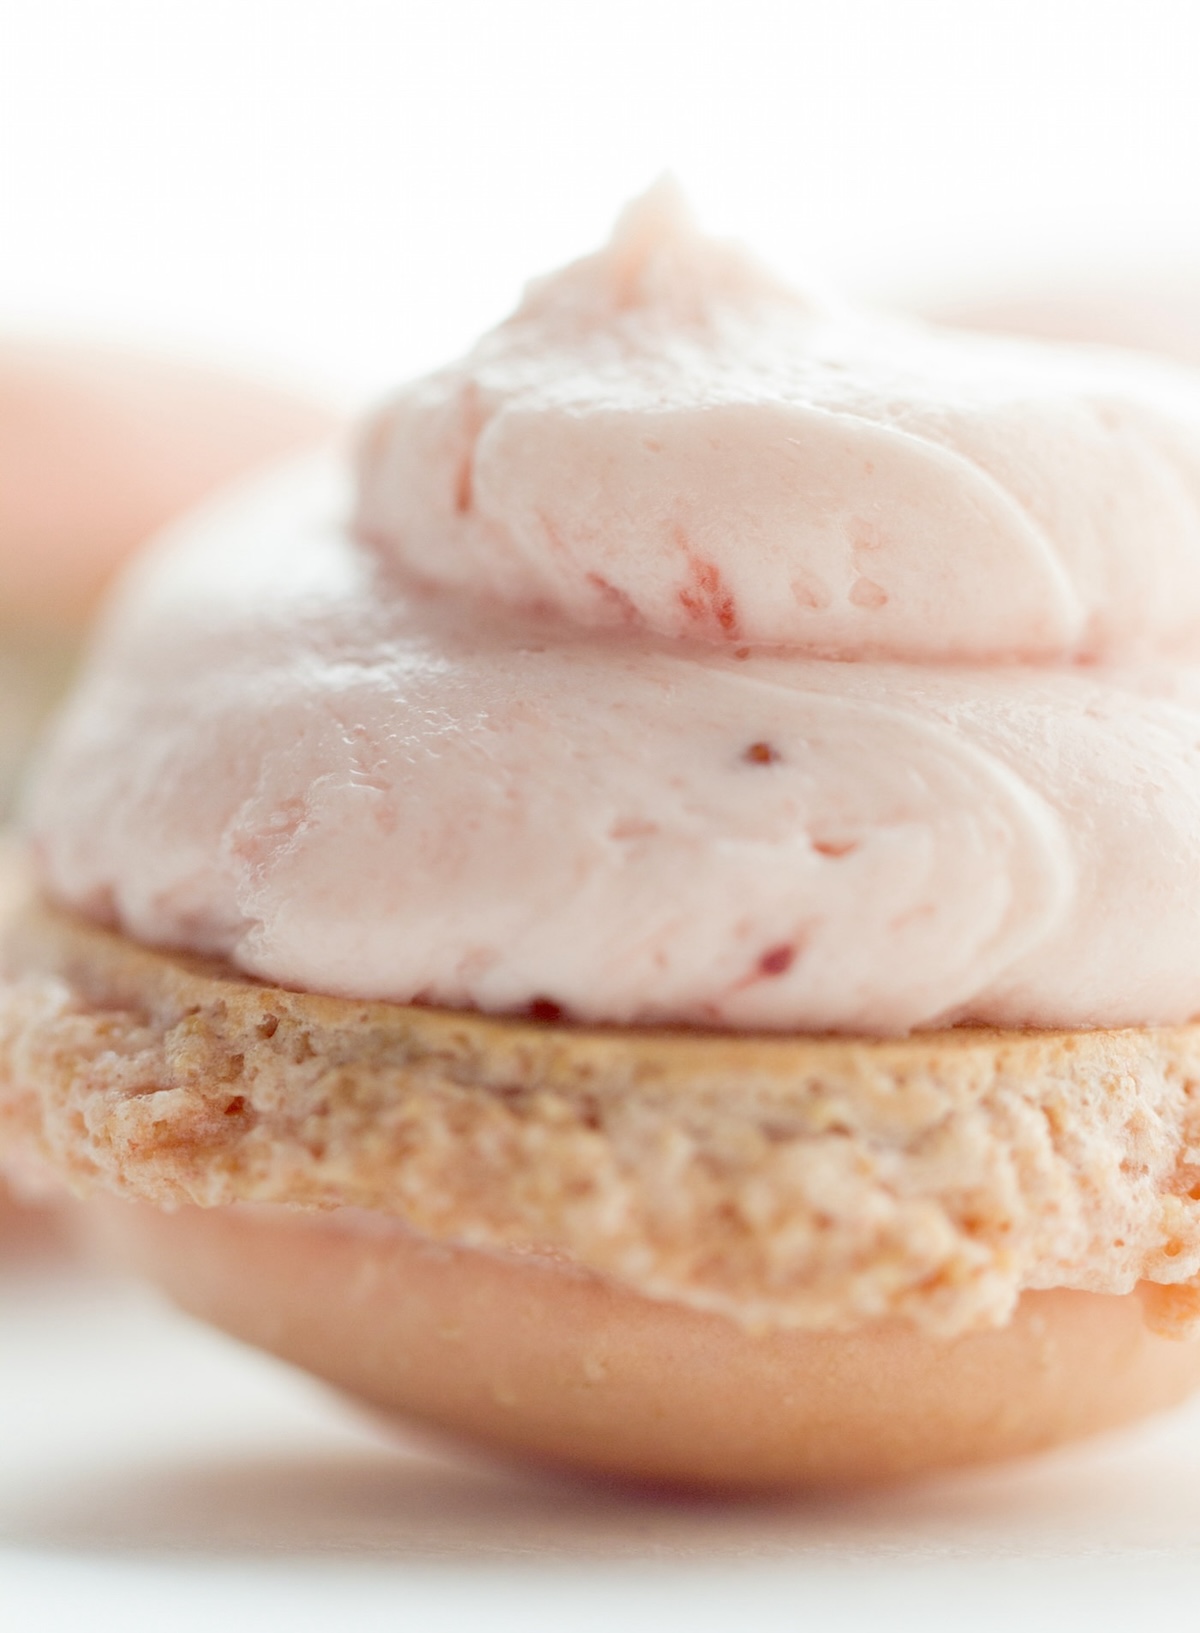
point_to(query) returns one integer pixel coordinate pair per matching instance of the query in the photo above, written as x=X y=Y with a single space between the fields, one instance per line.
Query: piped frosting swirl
x=662 y=437
x=698 y=653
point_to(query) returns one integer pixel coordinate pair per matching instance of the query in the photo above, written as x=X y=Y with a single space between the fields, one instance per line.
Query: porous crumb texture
x=809 y=1183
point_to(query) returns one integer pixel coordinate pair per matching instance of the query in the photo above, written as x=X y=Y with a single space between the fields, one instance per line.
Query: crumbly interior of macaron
x=785 y=1183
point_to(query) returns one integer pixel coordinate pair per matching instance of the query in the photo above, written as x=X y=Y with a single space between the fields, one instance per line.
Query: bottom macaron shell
x=535 y=1359
x=28 y=1231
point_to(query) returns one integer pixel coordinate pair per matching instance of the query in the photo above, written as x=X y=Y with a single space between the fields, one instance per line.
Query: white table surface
x=156 y=1475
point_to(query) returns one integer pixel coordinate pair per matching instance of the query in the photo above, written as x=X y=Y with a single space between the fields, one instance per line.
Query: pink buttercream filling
x=699 y=653
x=663 y=438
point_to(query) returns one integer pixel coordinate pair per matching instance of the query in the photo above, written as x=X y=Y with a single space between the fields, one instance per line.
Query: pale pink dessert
x=701 y=654
x=692 y=653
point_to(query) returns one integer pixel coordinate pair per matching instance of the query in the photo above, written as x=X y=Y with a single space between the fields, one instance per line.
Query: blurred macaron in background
x=99 y=449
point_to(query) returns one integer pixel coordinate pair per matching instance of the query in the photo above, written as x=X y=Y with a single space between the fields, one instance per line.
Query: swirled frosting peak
x=664 y=437
x=555 y=726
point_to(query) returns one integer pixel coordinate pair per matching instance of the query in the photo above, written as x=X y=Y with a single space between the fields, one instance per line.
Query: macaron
x=724 y=1262
x=649 y=923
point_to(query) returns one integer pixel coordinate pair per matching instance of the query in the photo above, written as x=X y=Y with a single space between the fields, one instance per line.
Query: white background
x=341 y=192
x=348 y=190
